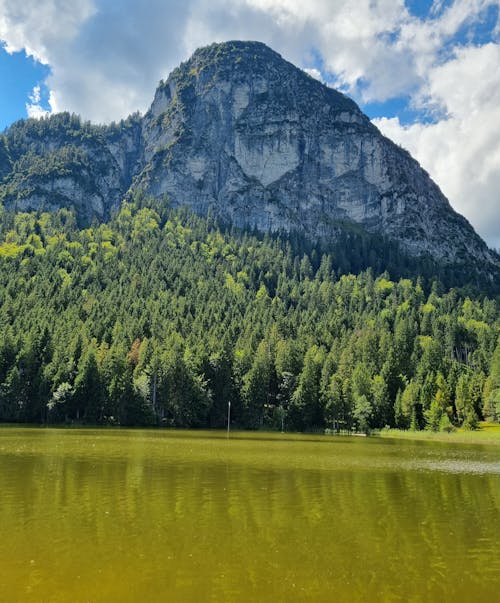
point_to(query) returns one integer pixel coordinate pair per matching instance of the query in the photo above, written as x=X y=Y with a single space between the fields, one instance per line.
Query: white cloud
x=35 y=95
x=107 y=57
x=462 y=151
x=315 y=73
x=42 y=28
x=33 y=107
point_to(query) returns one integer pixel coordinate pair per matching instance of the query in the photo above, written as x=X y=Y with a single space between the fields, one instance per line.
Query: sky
x=427 y=72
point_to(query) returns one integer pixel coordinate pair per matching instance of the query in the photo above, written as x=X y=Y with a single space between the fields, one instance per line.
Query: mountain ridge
x=241 y=133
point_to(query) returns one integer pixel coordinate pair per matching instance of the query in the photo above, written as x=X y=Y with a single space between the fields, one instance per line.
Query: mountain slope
x=5 y=163
x=242 y=134
x=62 y=162
x=165 y=319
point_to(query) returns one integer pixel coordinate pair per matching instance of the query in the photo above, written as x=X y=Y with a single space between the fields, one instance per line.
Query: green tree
x=305 y=409
x=464 y=405
x=362 y=412
x=440 y=405
x=256 y=386
x=408 y=413
x=382 y=409
x=335 y=408
x=87 y=401
x=491 y=391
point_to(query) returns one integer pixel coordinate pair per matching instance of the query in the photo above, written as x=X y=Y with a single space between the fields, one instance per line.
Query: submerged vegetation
x=163 y=317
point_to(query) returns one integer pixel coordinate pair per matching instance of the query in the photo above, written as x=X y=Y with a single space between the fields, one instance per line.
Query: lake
x=137 y=515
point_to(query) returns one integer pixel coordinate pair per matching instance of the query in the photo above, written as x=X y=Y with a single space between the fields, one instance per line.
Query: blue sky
x=19 y=74
x=426 y=71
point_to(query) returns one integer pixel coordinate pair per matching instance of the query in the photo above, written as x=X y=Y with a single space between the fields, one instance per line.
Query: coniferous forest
x=162 y=317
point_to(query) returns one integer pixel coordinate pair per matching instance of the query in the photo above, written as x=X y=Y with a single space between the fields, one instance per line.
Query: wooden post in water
x=228 y=417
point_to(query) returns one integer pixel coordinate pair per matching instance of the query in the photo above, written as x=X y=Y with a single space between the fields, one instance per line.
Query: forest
x=161 y=317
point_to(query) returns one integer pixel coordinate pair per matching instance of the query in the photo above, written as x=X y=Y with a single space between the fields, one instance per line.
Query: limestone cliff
x=239 y=132
x=61 y=162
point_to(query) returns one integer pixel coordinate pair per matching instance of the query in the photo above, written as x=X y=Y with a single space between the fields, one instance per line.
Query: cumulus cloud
x=42 y=28
x=106 y=59
x=315 y=73
x=462 y=151
x=33 y=107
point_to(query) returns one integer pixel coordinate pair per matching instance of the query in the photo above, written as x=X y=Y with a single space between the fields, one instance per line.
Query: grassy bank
x=487 y=433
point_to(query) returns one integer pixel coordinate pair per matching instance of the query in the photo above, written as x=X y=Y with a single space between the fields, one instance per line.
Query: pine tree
x=491 y=391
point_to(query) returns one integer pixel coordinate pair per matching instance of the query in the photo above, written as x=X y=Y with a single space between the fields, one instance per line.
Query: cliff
x=239 y=132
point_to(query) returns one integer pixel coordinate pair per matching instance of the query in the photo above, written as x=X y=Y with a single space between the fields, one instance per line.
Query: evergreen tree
x=491 y=392
x=88 y=397
x=256 y=384
x=305 y=409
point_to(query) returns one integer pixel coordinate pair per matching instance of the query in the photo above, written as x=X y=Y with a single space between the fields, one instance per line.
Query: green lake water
x=126 y=515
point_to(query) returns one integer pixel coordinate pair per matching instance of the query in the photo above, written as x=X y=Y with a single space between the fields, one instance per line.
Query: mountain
x=239 y=133
x=139 y=284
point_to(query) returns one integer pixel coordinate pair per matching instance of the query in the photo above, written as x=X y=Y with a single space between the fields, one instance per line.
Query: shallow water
x=126 y=515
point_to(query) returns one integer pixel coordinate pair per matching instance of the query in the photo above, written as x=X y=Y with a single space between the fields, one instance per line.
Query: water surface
x=125 y=515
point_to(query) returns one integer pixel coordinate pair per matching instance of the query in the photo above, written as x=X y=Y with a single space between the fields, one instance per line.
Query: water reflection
x=131 y=516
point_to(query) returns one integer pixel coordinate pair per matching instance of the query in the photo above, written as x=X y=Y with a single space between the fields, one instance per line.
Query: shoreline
x=488 y=433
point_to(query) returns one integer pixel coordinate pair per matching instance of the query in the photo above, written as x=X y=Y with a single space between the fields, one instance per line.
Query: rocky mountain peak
x=241 y=133
x=256 y=72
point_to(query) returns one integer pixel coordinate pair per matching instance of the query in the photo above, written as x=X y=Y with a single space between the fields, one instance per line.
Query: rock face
x=5 y=163
x=242 y=133
x=62 y=162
